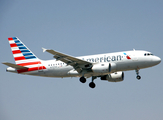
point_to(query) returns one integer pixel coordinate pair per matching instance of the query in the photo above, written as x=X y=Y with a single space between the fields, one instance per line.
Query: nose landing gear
x=138 y=76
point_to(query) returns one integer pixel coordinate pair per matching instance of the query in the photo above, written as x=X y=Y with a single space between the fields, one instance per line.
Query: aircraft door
x=134 y=56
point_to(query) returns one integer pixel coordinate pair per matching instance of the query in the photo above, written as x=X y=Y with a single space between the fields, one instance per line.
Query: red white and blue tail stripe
x=23 y=56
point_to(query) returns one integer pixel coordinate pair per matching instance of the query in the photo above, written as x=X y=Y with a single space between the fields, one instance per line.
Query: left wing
x=78 y=64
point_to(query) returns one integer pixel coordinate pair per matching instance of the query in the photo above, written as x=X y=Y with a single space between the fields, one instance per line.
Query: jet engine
x=104 y=68
x=114 y=77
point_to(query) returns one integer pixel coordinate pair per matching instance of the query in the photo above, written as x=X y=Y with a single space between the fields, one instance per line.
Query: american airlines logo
x=104 y=58
x=128 y=57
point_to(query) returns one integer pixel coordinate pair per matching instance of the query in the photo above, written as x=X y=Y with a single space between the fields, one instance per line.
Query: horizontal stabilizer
x=14 y=65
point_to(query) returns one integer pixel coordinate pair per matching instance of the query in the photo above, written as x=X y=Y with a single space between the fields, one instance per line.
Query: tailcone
x=10 y=69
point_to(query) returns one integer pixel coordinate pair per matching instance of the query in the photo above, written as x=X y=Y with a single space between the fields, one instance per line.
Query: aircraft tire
x=82 y=80
x=92 y=85
x=138 y=77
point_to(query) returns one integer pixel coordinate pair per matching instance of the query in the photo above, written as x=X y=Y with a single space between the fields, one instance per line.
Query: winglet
x=44 y=50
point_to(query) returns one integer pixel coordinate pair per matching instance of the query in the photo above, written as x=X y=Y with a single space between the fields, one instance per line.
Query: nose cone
x=156 y=60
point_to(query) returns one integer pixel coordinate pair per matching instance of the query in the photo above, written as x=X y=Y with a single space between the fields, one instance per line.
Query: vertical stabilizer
x=20 y=52
x=23 y=56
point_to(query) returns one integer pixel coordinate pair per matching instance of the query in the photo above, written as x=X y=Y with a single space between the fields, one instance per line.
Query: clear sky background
x=77 y=28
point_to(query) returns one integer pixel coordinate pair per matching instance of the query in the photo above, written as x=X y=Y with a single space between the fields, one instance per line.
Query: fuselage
x=109 y=66
x=124 y=61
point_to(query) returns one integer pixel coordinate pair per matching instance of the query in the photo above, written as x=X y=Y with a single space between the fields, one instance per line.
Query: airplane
x=108 y=66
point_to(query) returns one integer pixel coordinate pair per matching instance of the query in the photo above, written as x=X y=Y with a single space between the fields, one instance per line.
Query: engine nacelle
x=114 y=77
x=112 y=67
x=104 y=68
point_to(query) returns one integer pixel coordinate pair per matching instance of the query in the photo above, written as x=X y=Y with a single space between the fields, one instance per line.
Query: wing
x=78 y=64
x=14 y=65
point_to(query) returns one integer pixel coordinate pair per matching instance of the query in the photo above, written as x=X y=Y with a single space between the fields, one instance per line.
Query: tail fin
x=22 y=55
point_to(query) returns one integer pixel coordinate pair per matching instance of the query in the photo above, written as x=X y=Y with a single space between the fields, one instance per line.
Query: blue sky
x=80 y=28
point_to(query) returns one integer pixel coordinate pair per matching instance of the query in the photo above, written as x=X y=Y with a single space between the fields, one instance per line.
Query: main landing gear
x=91 y=84
x=138 y=76
x=82 y=80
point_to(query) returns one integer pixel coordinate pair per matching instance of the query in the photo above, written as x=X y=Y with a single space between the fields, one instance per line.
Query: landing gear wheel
x=92 y=85
x=138 y=77
x=82 y=80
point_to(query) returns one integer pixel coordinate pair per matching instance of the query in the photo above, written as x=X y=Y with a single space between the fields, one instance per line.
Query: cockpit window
x=148 y=54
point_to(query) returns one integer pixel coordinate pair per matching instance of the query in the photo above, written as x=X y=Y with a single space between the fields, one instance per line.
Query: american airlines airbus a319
x=109 y=66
